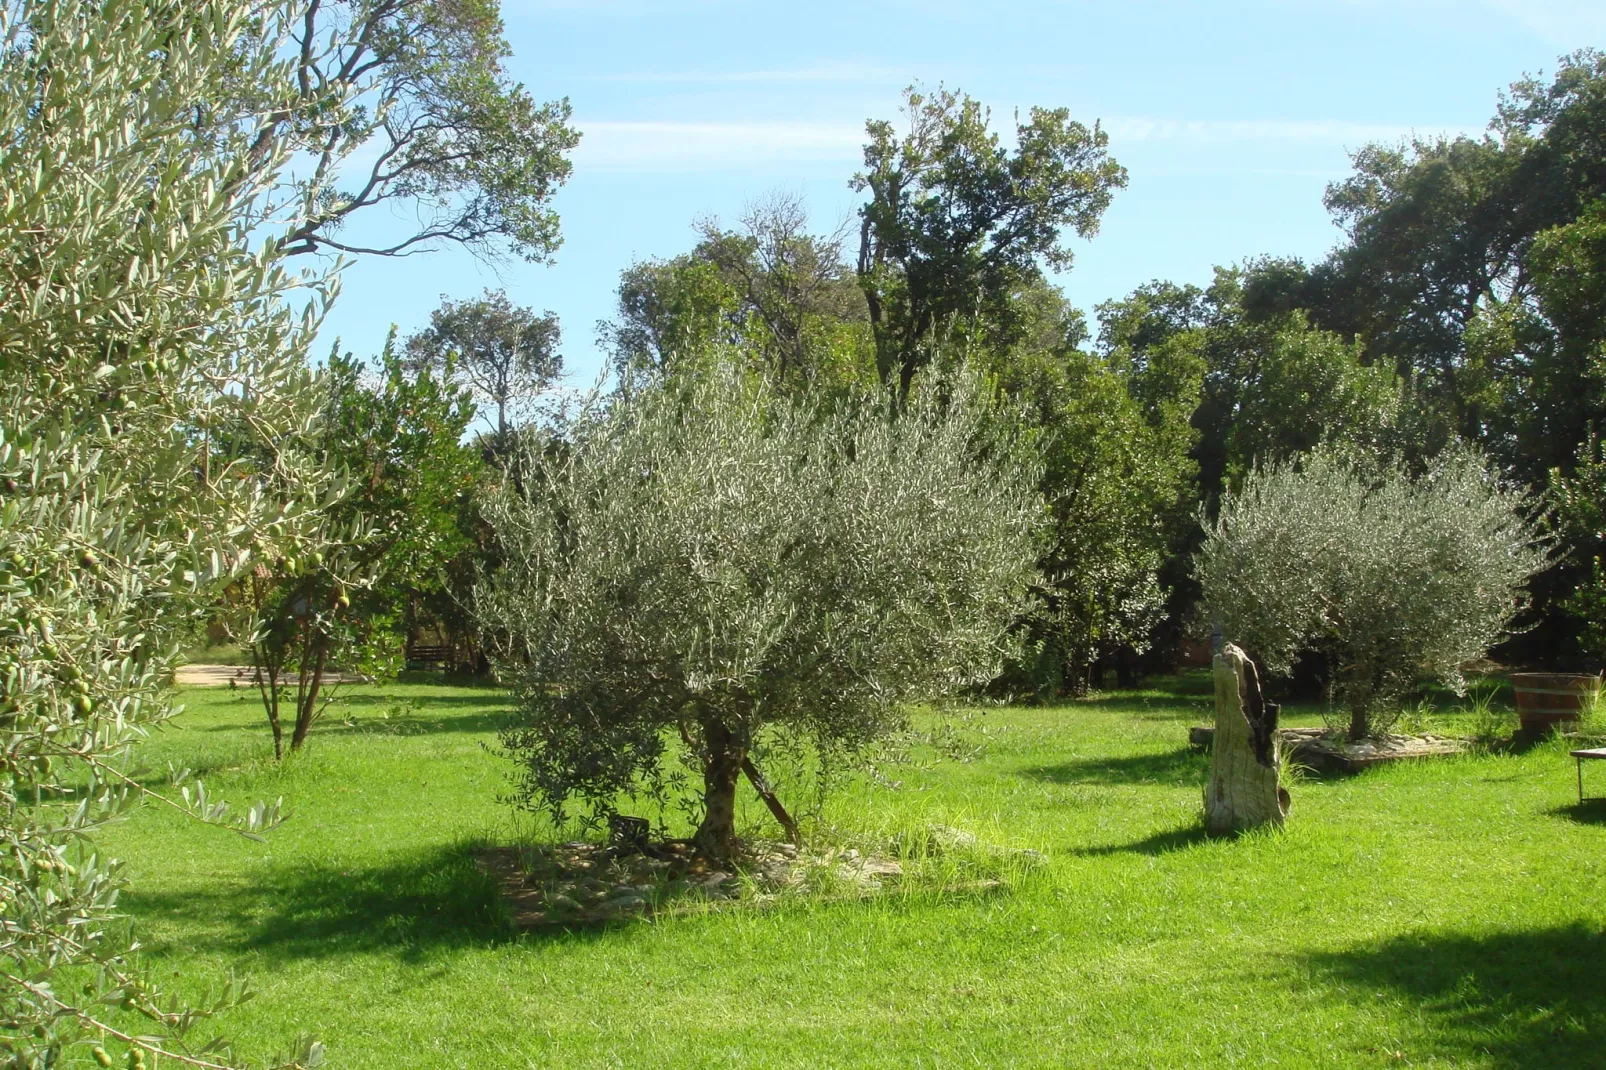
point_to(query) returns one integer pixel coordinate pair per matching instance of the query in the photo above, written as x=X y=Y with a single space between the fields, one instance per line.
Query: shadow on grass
x=1536 y=997
x=1159 y=707
x=412 y=907
x=437 y=678
x=318 y=910
x=1181 y=767
x=1158 y=844
x=1186 y=711
x=1155 y=694
x=423 y=716
x=413 y=724
x=482 y=697
x=1588 y=812
x=1190 y=683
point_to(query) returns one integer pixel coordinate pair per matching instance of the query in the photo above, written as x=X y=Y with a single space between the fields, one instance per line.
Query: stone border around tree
x=579 y=884
x=1318 y=751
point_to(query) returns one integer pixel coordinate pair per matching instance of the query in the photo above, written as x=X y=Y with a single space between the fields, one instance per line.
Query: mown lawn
x=1444 y=914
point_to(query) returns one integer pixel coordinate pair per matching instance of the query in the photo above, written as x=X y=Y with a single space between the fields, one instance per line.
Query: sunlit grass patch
x=1115 y=935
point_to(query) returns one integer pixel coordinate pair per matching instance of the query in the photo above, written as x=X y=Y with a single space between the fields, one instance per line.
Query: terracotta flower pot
x=1546 y=699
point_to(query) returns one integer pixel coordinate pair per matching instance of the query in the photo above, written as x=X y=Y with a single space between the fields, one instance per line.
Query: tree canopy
x=768 y=288
x=1473 y=271
x=156 y=409
x=711 y=561
x=507 y=355
x=407 y=103
x=1395 y=577
x=396 y=438
x=956 y=222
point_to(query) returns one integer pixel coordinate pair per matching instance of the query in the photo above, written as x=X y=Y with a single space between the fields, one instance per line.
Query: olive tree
x=704 y=561
x=1396 y=578
x=153 y=395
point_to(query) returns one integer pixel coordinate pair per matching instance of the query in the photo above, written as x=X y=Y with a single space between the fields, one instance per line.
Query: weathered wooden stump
x=1245 y=758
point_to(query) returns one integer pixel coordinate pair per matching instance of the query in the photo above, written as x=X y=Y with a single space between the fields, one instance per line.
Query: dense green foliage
x=712 y=559
x=1114 y=437
x=1580 y=506
x=349 y=604
x=1433 y=914
x=506 y=355
x=1450 y=234
x=768 y=289
x=155 y=406
x=1393 y=578
x=957 y=224
x=1474 y=270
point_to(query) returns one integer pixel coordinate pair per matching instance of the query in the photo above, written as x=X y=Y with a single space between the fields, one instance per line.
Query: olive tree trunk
x=1245 y=762
x=1360 y=724
x=725 y=754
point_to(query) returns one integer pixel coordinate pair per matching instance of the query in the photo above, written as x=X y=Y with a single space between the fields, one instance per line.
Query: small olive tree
x=1396 y=578
x=704 y=560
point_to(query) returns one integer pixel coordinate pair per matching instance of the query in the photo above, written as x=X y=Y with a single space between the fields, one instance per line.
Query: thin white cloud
x=1265 y=131
x=1568 y=23
x=828 y=72
x=716 y=146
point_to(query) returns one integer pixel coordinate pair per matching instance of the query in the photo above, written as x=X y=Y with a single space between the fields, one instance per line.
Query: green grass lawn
x=1450 y=913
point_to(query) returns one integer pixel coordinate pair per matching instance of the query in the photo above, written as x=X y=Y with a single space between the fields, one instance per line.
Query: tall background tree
x=768 y=289
x=956 y=222
x=506 y=354
x=1273 y=387
x=1117 y=480
x=1472 y=271
x=424 y=118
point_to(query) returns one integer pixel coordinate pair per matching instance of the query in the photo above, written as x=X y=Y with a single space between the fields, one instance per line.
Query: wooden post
x=1245 y=758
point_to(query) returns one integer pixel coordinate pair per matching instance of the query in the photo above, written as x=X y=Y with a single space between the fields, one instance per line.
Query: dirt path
x=242 y=675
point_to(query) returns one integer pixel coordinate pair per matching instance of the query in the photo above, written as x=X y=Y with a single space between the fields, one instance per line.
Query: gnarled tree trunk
x=1244 y=758
x=723 y=758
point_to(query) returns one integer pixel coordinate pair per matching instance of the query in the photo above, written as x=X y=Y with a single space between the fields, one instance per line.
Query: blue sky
x=1231 y=117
